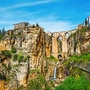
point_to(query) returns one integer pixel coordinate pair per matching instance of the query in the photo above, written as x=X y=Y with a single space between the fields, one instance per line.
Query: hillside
x=78 y=62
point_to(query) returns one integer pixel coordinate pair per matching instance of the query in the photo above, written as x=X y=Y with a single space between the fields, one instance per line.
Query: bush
x=28 y=56
x=21 y=59
x=34 y=84
x=15 y=57
x=13 y=50
x=1 y=36
x=2 y=76
x=75 y=83
x=20 y=88
x=52 y=58
x=35 y=70
x=78 y=58
x=6 y=53
x=39 y=83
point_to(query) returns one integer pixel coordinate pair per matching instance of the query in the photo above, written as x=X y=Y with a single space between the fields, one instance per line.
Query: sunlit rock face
x=5 y=45
x=32 y=41
x=2 y=85
x=79 y=42
x=29 y=41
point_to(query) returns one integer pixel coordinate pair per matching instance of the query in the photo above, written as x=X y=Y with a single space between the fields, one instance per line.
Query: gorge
x=28 y=53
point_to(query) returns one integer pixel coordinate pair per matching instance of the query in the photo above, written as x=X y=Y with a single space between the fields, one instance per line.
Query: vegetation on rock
x=78 y=58
x=39 y=83
x=13 y=50
x=75 y=83
x=19 y=58
x=52 y=59
x=6 y=53
x=37 y=72
x=2 y=33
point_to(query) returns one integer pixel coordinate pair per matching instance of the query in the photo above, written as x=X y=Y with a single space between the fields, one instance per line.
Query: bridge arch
x=57 y=38
x=59 y=44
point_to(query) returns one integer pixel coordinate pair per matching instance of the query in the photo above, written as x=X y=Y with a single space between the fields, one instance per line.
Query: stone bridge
x=60 y=36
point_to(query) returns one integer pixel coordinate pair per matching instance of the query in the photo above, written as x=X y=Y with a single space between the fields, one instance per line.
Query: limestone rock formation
x=27 y=51
x=32 y=45
x=79 y=42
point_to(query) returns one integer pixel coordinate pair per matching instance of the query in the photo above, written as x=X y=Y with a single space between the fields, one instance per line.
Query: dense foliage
x=52 y=59
x=6 y=54
x=20 y=58
x=13 y=50
x=38 y=83
x=75 y=83
x=79 y=58
x=78 y=79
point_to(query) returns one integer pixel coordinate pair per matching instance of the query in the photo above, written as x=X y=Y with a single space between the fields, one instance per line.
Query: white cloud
x=49 y=22
x=48 y=26
x=56 y=26
x=26 y=4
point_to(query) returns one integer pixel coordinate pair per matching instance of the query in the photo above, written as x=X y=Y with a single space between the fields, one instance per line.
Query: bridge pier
x=54 y=45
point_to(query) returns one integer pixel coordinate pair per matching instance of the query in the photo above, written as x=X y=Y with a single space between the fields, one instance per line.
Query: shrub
x=6 y=53
x=78 y=58
x=28 y=56
x=34 y=85
x=25 y=59
x=52 y=58
x=15 y=57
x=74 y=83
x=38 y=83
x=2 y=76
x=20 y=88
x=1 y=36
x=35 y=70
x=20 y=59
x=13 y=50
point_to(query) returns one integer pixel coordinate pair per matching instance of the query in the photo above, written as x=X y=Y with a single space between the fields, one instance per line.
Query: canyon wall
x=32 y=46
x=27 y=51
x=79 y=42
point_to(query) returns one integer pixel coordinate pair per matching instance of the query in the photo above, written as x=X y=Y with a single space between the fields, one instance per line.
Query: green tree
x=33 y=26
x=0 y=32
x=3 y=31
x=37 y=25
x=74 y=83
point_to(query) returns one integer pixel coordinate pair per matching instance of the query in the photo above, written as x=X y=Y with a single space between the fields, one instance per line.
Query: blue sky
x=52 y=15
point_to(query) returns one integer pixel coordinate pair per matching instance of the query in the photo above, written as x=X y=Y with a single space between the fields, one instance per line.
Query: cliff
x=79 y=42
x=26 y=56
x=23 y=50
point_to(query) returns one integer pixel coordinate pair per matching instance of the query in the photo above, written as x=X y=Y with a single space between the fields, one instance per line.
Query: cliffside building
x=21 y=25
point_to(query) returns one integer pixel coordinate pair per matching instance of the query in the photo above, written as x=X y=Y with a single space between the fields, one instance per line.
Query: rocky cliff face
x=32 y=45
x=79 y=52
x=26 y=52
x=79 y=42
